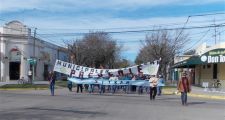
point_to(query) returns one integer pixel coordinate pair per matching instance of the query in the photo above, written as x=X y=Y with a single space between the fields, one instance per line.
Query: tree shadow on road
x=48 y=114
x=70 y=111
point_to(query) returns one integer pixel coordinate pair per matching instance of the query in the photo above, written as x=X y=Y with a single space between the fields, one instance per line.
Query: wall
x=20 y=38
x=197 y=75
x=221 y=73
x=206 y=72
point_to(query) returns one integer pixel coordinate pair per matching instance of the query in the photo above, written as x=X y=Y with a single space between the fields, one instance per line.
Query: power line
x=207 y=14
x=139 y=31
x=50 y=40
x=197 y=41
x=136 y=27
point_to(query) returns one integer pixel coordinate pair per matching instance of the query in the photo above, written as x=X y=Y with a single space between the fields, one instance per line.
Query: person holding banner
x=51 y=79
x=80 y=86
x=69 y=85
x=133 y=87
x=153 y=87
x=160 y=84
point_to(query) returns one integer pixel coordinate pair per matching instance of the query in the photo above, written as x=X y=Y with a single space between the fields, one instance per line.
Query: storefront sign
x=214 y=56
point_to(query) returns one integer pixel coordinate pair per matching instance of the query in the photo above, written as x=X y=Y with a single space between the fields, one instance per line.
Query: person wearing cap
x=184 y=87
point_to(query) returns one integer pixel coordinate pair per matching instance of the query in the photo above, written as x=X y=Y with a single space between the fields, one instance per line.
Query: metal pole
x=0 y=57
x=33 y=66
x=34 y=42
x=32 y=74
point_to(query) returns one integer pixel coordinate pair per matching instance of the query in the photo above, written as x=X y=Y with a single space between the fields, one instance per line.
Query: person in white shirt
x=153 y=87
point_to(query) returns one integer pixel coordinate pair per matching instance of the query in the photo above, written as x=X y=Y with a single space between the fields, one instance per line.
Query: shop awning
x=189 y=63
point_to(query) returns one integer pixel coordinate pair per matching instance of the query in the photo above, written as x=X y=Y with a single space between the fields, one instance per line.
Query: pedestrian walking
x=184 y=87
x=69 y=85
x=160 y=85
x=51 y=79
x=153 y=87
x=80 y=86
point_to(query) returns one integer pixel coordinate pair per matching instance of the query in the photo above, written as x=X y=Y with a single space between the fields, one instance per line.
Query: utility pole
x=34 y=42
x=1 y=56
x=34 y=58
x=215 y=31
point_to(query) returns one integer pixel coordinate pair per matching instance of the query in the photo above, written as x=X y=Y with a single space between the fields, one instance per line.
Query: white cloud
x=55 y=5
x=101 y=22
x=14 y=5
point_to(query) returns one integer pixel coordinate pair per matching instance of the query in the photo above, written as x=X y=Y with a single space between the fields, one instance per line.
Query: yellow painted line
x=207 y=96
x=196 y=95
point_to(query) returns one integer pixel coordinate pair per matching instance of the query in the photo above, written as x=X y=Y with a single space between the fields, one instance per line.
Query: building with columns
x=18 y=45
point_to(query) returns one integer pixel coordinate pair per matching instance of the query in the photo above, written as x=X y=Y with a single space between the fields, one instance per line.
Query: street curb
x=56 y=87
x=207 y=96
x=23 y=89
x=197 y=95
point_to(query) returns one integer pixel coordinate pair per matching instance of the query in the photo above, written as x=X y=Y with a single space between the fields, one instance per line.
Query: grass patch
x=170 y=87
x=61 y=83
x=35 y=86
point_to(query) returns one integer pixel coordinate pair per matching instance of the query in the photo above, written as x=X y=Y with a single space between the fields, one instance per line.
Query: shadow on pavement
x=70 y=111
x=195 y=103
x=36 y=113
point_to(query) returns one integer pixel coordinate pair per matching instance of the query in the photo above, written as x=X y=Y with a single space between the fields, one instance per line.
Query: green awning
x=189 y=63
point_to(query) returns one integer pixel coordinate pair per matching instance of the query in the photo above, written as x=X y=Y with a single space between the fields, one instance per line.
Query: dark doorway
x=46 y=72
x=14 y=70
x=193 y=76
x=214 y=71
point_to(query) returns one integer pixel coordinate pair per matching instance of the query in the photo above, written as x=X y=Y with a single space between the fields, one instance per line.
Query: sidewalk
x=210 y=93
x=15 y=82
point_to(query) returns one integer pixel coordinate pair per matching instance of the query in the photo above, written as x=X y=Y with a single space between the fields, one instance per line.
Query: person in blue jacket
x=160 y=84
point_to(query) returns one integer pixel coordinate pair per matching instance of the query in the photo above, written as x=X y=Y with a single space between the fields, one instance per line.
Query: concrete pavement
x=39 y=105
x=209 y=93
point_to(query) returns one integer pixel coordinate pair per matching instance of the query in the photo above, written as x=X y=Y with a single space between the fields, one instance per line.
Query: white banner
x=74 y=70
x=151 y=68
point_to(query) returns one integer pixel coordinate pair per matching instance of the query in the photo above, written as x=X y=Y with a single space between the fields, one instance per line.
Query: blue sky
x=78 y=16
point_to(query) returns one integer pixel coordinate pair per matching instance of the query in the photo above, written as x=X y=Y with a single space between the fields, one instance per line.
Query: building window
x=203 y=66
x=208 y=66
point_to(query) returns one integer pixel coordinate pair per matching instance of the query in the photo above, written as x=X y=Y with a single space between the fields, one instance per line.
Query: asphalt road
x=38 y=105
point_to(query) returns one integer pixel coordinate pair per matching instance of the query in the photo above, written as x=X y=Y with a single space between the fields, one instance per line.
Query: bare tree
x=161 y=45
x=95 y=49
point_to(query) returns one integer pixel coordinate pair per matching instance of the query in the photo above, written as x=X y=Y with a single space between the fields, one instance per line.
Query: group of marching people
x=154 y=88
x=155 y=84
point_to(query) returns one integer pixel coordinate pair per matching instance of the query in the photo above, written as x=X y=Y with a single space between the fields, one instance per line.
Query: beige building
x=206 y=66
x=18 y=46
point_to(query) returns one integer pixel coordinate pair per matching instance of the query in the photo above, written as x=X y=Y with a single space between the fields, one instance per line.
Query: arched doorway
x=14 y=64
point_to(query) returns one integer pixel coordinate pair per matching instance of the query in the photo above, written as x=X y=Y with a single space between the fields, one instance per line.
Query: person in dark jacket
x=69 y=85
x=80 y=86
x=51 y=79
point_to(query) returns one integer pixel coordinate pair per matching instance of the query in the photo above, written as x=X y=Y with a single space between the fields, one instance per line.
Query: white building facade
x=17 y=46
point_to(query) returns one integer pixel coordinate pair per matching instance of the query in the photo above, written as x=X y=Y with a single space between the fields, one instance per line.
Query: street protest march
x=102 y=76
